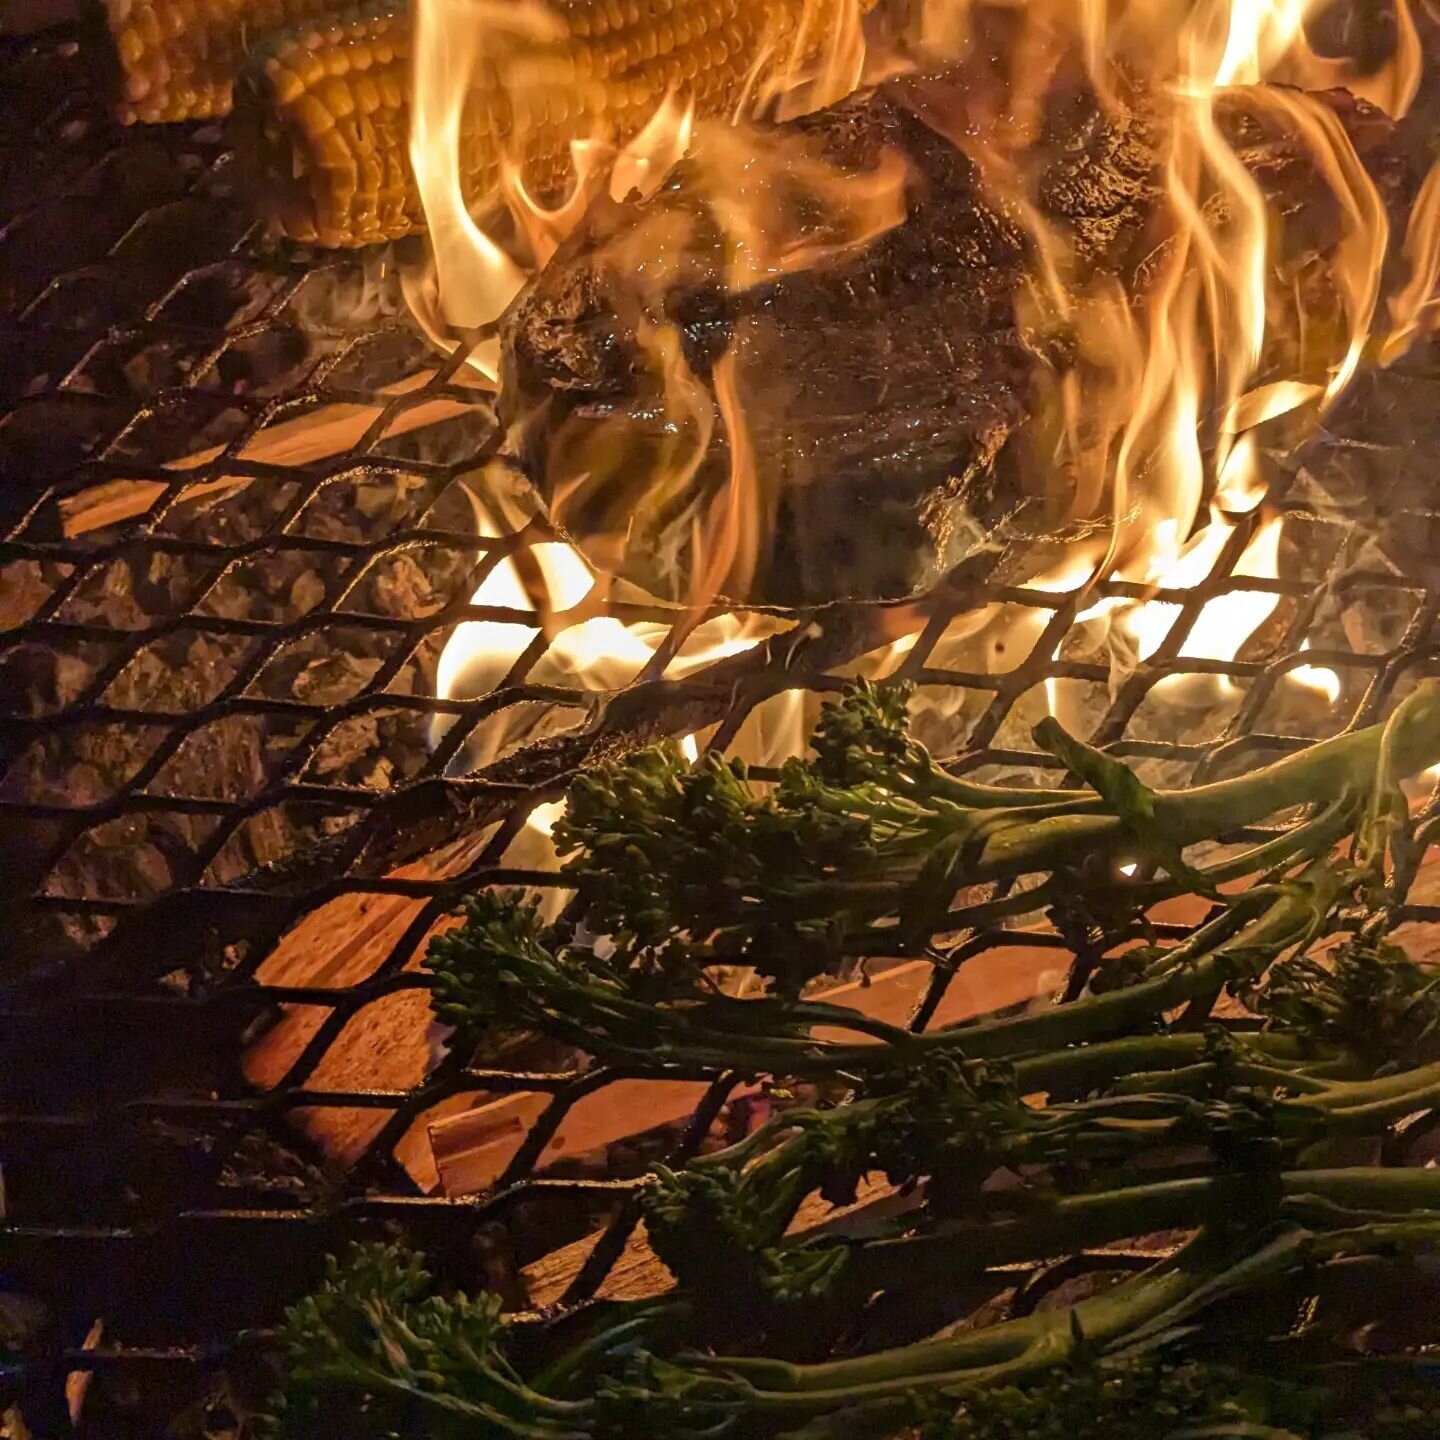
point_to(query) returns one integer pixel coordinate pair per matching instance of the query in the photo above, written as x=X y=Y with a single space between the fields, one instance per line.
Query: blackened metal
x=217 y=716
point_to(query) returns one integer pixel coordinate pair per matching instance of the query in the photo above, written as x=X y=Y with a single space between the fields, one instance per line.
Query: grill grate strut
x=217 y=697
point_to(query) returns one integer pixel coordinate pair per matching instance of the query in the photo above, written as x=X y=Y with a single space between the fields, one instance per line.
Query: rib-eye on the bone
x=882 y=391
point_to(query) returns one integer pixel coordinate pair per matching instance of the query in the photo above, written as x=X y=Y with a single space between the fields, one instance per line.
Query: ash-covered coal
x=885 y=395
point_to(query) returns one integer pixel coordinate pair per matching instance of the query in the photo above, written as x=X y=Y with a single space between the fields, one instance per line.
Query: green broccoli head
x=721 y=1226
x=863 y=738
x=1148 y=1398
x=497 y=954
x=1369 y=999
x=674 y=862
x=705 y=1223
x=951 y=1120
x=341 y=1325
x=374 y=1340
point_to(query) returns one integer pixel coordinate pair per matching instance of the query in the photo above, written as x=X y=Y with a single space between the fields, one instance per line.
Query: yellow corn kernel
x=178 y=58
x=347 y=185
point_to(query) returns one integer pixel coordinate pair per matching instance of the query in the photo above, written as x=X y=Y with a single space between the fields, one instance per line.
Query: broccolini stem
x=1368 y=1105
x=970 y=795
x=1305 y=841
x=1078 y=1222
x=1293 y=918
x=556 y=1420
x=1151 y=1059
x=1086 y=1066
x=997 y=1355
x=722 y=1033
x=1345 y=766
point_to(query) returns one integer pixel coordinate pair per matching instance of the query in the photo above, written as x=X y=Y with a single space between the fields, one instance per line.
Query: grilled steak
x=882 y=393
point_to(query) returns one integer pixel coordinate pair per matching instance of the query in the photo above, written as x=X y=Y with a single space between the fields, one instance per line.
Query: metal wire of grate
x=236 y=533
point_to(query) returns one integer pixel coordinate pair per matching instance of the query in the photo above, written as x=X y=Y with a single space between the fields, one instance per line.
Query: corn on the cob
x=323 y=113
x=322 y=123
x=179 y=58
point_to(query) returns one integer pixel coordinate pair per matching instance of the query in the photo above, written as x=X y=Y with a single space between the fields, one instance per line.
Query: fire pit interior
x=245 y=503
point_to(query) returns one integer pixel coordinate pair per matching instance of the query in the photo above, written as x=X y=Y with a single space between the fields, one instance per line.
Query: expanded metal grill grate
x=235 y=537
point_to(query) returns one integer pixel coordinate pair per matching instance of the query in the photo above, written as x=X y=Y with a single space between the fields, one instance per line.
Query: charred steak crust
x=880 y=391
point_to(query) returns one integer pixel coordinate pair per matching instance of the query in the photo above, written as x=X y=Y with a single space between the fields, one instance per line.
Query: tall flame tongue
x=1166 y=401
x=1169 y=385
x=807 y=54
x=472 y=278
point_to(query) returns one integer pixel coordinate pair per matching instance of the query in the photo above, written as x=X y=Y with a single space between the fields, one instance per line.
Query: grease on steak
x=882 y=392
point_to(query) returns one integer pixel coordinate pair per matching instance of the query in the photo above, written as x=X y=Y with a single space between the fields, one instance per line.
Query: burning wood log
x=330 y=430
x=387 y=1045
x=872 y=405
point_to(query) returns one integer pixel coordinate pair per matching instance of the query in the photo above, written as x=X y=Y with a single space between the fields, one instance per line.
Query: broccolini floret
x=1011 y=1139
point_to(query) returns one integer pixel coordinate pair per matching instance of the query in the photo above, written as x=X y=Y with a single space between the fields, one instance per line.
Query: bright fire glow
x=1228 y=620
x=1159 y=416
x=1415 y=310
x=1325 y=682
x=600 y=653
x=595 y=652
x=473 y=277
x=1138 y=628
x=1171 y=393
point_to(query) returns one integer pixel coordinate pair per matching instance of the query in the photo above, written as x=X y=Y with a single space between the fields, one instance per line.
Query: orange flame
x=1159 y=415
x=1168 y=395
x=1415 y=310
x=594 y=652
x=474 y=279
x=1317 y=678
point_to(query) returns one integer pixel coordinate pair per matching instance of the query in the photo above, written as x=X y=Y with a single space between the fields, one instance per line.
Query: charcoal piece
x=25 y=586
x=883 y=394
x=78 y=229
x=180 y=423
x=193 y=231
x=387 y=357
x=269 y=363
x=222 y=296
x=41 y=441
x=33 y=358
x=86 y=301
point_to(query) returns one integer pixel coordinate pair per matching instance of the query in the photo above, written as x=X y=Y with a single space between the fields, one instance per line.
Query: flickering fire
x=1318 y=678
x=595 y=652
x=1157 y=425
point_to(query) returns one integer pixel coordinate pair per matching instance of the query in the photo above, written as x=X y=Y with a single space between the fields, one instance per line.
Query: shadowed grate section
x=236 y=535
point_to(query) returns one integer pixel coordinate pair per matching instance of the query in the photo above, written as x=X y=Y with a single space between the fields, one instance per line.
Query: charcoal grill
x=217 y=708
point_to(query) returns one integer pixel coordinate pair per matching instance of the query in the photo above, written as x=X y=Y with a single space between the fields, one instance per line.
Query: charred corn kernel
x=320 y=176
x=179 y=58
